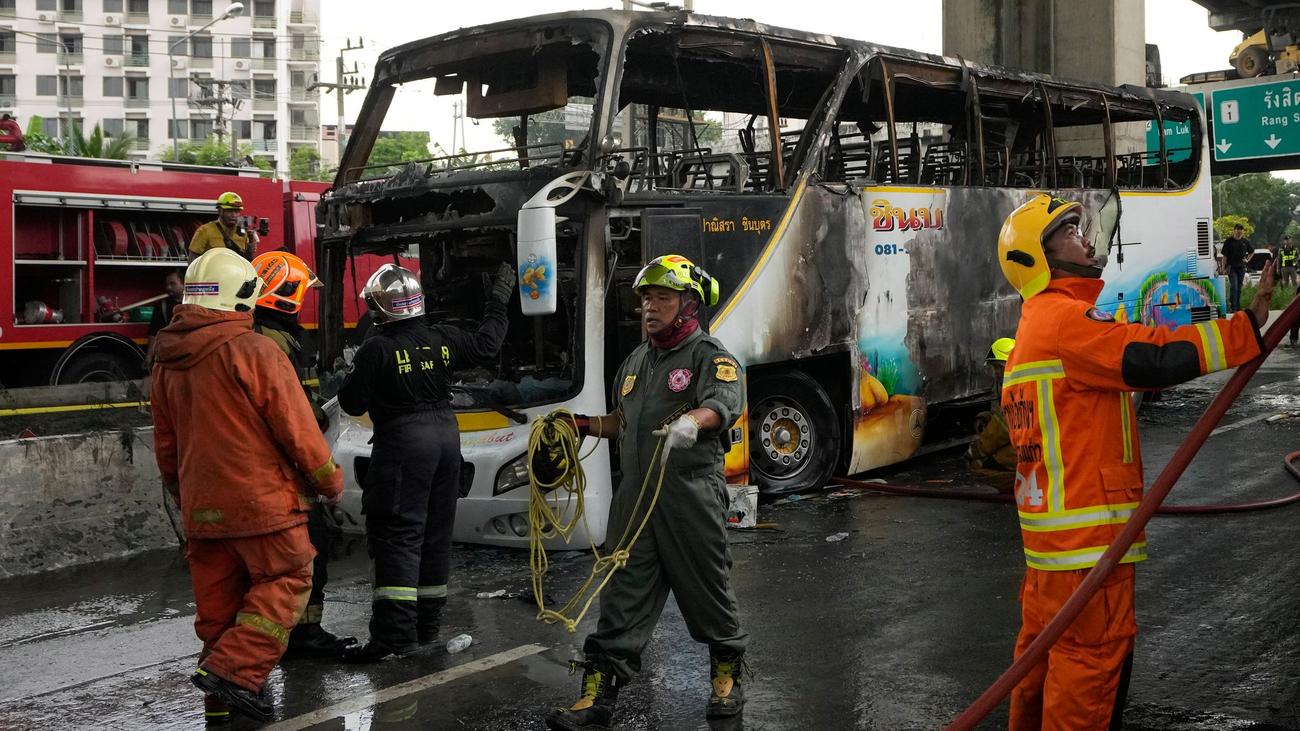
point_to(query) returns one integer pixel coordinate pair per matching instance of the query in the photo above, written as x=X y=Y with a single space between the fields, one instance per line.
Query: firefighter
x=1288 y=257
x=401 y=375
x=683 y=387
x=1079 y=470
x=286 y=281
x=238 y=448
x=228 y=231
x=991 y=455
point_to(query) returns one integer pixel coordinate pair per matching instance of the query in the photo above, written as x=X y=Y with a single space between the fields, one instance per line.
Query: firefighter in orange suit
x=238 y=447
x=1079 y=463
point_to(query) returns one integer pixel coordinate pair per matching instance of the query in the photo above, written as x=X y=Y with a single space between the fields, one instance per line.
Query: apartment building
x=122 y=64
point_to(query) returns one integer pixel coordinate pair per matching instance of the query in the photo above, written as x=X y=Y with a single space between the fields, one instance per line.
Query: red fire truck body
x=84 y=239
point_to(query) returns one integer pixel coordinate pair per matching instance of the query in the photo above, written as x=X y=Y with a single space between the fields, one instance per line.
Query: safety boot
x=429 y=619
x=215 y=711
x=310 y=640
x=728 y=697
x=594 y=711
x=254 y=705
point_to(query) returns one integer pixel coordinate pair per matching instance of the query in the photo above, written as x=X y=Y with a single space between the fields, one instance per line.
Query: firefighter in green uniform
x=683 y=388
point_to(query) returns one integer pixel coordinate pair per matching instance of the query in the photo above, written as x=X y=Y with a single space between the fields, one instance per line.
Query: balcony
x=304 y=132
x=304 y=54
x=200 y=62
x=137 y=18
x=8 y=58
x=70 y=16
x=263 y=21
x=137 y=102
x=266 y=64
x=299 y=95
x=71 y=58
x=137 y=60
x=264 y=104
x=298 y=17
x=68 y=100
x=7 y=101
x=264 y=147
x=8 y=12
x=200 y=18
x=140 y=144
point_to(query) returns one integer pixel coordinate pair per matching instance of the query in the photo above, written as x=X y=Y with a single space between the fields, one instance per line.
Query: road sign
x=1178 y=135
x=1260 y=120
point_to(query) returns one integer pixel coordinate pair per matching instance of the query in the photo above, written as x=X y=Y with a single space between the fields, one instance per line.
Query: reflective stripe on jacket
x=1066 y=401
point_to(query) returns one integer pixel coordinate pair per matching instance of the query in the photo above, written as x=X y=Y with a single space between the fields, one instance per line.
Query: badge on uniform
x=679 y=379
x=628 y=383
x=1095 y=314
x=725 y=370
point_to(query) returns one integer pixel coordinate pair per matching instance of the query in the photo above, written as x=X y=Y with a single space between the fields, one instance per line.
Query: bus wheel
x=98 y=367
x=794 y=437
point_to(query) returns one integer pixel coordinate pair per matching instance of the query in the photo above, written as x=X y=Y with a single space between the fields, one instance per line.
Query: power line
x=160 y=30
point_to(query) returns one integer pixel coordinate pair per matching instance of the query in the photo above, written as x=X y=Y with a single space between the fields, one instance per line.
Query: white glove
x=680 y=433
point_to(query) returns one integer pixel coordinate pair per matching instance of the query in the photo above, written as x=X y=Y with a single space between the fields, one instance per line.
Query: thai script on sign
x=885 y=217
x=1283 y=99
x=717 y=225
x=757 y=225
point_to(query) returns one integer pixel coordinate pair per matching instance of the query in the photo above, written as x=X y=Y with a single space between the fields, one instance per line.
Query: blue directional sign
x=1260 y=120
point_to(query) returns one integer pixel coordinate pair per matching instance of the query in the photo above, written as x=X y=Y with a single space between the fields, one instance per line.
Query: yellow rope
x=547 y=501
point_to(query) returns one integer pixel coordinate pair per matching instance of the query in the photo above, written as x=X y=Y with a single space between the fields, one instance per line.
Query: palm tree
x=77 y=144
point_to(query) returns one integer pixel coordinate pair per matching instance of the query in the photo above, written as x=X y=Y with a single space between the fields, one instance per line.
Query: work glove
x=679 y=434
x=330 y=488
x=503 y=284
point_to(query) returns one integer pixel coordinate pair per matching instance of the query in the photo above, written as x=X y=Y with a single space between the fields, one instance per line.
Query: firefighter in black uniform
x=401 y=375
x=287 y=280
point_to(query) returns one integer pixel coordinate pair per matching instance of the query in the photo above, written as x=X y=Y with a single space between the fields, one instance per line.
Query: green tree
x=304 y=164
x=76 y=143
x=399 y=148
x=212 y=151
x=1223 y=226
x=1266 y=201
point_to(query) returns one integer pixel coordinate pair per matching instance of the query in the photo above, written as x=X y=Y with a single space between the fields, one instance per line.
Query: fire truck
x=87 y=244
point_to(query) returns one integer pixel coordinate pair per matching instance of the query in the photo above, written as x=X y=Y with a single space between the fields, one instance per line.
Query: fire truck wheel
x=98 y=367
x=794 y=435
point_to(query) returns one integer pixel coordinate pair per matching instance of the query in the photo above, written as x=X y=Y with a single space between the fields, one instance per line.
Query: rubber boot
x=253 y=705
x=392 y=632
x=429 y=619
x=215 y=711
x=728 y=697
x=594 y=711
x=310 y=640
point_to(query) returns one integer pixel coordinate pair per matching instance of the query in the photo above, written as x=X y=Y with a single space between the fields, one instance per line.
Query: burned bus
x=847 y=196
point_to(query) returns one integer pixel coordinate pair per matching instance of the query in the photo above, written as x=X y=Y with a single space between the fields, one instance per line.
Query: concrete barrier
x=73 y=499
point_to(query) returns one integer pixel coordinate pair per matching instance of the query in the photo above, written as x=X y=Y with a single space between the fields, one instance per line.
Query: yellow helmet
x=222 y=280
x=1000 y=350
x=676 y=272
x=230 y=201
x=1020 y=245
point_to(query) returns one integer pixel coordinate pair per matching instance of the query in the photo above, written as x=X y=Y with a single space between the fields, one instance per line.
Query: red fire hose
x=1037 y=650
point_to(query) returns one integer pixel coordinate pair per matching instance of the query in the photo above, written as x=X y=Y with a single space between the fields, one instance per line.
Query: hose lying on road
x=1164 y=482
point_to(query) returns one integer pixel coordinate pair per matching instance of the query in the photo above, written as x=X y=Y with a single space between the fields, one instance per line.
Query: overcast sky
x=1177 y=26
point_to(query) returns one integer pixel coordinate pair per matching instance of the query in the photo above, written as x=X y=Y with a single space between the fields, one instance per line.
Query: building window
x=47 y=85
x=71 y=43
x=112 y=6
x=50 y=126
x=8 y=7
x=46 y=43
x=8 y=85
x=113 y=45
x=201 y=7
x=71 y=6
x=263 y=129
x=268 y=47
x=178 y=7
x=137 y=87
x=73 y=86
x=265 y=8
x=138 y=127
x=200 y=129
x=8 y=42
x=178 y=88
x=241 y=47
x=137 y=6
x=264 y=89
x=177 y=45
x=244 y=129
x=46 y=5
x=68 y=126
x=139 y=45
x=113 y=86
x=112 y=127
x=201 y=47
x=240 y=90
x=178 y=125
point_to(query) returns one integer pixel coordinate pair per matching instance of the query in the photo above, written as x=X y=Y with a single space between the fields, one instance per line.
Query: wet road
x=897 y=626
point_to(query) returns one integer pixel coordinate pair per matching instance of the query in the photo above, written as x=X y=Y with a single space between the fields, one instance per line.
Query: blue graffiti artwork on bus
x=1162 y=297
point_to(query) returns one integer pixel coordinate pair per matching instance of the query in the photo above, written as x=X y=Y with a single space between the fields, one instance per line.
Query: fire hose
x=1150 y=504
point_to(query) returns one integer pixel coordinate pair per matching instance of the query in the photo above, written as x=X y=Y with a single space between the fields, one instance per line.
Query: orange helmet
x=287 y=280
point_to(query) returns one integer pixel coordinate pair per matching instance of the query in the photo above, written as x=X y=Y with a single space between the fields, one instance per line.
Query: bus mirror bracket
x=536 y=256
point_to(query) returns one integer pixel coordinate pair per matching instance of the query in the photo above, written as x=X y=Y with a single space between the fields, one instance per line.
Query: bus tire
x=98 y=367
x=794 y=434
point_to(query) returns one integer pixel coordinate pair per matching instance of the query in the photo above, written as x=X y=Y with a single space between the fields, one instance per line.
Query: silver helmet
x=393 y=293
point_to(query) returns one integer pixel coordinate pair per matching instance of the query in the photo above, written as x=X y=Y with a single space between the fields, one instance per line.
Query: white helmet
x=393 y=293
x=222 y=280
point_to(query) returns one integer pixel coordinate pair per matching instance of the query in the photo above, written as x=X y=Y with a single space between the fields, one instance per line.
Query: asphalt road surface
x=897 y=626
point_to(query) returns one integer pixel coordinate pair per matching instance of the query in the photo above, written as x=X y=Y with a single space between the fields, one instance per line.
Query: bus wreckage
x=847 y=196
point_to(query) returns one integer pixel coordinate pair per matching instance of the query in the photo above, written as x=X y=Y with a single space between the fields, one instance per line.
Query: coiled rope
x=557 y=435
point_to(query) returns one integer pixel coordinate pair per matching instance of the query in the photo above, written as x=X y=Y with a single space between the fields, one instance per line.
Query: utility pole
x=219 y=98
x=345 y=82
